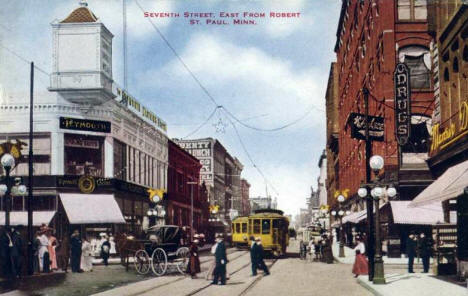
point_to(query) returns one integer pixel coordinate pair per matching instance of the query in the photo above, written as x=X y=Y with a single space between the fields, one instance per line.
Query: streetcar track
x=254 y=282
x=182 y=277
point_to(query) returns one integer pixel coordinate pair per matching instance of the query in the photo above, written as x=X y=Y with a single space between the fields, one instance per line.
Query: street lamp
x=378 y=191
x=8 y=162
x=340 y=214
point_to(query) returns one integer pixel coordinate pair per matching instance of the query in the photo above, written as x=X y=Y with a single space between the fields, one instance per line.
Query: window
x=418 y=60
x=256 y=226
x=238 y=227
x=266 y=226
x=412 y=10
x=244 y=227
x=84 y=155
x=120 y=159
x=419 y=134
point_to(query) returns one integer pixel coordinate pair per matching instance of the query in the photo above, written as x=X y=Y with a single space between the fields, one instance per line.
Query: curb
x=368 y=287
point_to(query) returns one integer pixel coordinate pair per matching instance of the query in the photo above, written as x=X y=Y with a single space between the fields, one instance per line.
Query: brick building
x=372 y=37
x=184 y=168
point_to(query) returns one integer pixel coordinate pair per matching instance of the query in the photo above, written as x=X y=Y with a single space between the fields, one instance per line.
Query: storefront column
x=109 y=157
x=57 y=153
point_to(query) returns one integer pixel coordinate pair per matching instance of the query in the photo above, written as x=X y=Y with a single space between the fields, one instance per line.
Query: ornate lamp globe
x=376 y=162
x=333 y=213
x=341 y=213
x=348 y=212
x=8 y=161
x=362 y=192
x=22 y=189
x=341 y=198
x=391 y=191
x=3 y=189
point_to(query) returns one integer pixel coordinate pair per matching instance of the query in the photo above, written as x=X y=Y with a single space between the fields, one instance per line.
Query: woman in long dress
x=44 y=258
x=113 y=250
x=86 y=256
x=210 y=273
x=51 y=248
x=360 y=266
x=194 y=262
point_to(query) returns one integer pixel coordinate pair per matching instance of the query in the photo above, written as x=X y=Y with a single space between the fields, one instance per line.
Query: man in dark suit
x=253 y=255
x=75 y=243
x=425 y=250
x=260 y=256
x=221 y=261
x=411 y=244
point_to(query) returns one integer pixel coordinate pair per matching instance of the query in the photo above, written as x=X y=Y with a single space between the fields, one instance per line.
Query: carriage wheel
x=182 y=258
x=159 y=262
x=141 y=261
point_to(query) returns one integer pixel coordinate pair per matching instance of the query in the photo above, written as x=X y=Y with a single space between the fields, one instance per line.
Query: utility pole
x=30 y=201
x=191 y=208
x=369 y=203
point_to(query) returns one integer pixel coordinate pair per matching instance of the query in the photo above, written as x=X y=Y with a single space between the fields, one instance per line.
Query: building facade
x=220 y=173
x=245 y=194
x=322 y=179
x=372 y=37
x=95 y=146
x=181 y=194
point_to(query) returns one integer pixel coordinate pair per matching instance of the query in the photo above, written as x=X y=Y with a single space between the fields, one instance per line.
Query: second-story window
x=418 y=60
x=412 y=10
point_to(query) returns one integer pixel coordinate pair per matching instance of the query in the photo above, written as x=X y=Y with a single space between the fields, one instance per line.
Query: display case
x=445 y=239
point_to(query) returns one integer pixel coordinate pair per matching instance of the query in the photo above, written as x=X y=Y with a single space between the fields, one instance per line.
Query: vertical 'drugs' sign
x=402 y=103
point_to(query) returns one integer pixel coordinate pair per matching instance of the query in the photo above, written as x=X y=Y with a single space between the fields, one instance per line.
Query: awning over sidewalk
x=354 y=217
x=21 y=218
x=91 y=208
x=423 y=215
x=450 y=185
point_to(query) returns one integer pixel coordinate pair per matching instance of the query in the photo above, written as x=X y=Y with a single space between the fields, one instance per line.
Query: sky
x=266 y=74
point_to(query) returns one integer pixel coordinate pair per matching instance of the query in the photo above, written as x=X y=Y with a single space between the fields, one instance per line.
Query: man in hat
x=105 y=250
x=75 y=242
x=253 y=255
x=221 y=261
x=260 y=256
x=411 y=245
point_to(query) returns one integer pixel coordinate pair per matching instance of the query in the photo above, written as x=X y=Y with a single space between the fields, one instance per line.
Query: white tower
x=82 y=58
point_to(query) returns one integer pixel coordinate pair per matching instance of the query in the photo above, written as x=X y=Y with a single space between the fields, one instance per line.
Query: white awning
x=21 y=218
x=450 y=185
x=353 y=217
x=423 y=215
x=91 y=208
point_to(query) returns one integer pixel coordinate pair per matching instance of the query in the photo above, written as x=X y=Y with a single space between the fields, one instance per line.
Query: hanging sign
x=358 y=127
x=85 y=125
x=402 y=103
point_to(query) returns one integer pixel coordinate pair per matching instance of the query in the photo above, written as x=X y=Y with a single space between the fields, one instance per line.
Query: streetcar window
x=276 y=223
x=266 y=226
x=238 y=227
x=244 y=227
x=256 y=226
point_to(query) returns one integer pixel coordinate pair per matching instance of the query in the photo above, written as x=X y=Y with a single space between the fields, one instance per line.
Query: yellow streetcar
x=240 y=235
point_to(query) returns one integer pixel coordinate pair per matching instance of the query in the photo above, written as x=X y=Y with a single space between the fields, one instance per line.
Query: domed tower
x=82 y=58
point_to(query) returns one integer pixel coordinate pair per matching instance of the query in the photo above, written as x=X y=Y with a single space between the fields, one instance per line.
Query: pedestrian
x=63 y=253
x=302 y=249
x=105 y=250
x=360 y=266
x=194 y=262
x=210 y=273
x=51 y=248
x=86 y=263
x=113 y=250
x=253 y=255
x=425 y=250
x=44 y=256
x=221 y=261
x=16 y=251
x=260 y=256
x=411 y=245
x=76 y=243
x=327 y=250
x=35 y=249
x=311 y=248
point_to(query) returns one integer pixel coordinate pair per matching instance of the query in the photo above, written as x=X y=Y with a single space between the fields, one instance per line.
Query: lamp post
x=378 y=190
x=191 y=208
x=340 y=214
x=7 y=161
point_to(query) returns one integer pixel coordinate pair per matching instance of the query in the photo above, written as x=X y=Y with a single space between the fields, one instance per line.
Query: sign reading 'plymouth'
x=85 y=125
x=402 y=103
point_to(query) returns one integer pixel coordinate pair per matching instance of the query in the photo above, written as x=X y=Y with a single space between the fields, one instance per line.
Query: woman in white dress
x=113 y=250
x=44 y=253
x=86 y=256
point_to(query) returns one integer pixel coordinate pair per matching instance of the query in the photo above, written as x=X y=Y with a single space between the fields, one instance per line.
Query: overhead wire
x=203 y=123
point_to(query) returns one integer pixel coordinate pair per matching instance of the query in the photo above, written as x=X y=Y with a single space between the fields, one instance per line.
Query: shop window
x=412 y=10
x=266 y=226
x=418 y=60
x=83 y=155
x=419 y=134
x=44 y=203
x=120 y=160
x=256 y=226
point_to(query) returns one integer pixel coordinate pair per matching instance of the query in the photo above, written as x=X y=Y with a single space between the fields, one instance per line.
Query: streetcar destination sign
x=402 y=103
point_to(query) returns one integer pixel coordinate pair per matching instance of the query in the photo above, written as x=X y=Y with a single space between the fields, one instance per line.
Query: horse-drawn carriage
x=160 y=249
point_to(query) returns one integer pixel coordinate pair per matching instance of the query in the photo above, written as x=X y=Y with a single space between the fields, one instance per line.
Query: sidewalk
x=414 y=284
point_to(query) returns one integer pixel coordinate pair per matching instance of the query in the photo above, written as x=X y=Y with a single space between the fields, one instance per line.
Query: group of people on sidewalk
x=421 y=246
x=319 y=248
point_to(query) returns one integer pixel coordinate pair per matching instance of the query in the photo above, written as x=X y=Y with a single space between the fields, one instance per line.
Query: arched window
x=418 y=60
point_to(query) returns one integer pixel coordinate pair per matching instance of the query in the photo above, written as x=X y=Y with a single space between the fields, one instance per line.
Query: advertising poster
x=233 y=147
